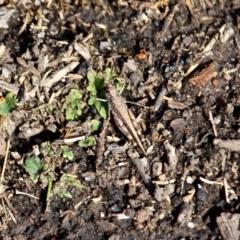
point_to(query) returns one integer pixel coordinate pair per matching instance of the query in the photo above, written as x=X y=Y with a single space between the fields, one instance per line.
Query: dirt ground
x=71 y=169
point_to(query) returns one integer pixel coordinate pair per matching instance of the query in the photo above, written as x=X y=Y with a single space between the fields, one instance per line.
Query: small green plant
x=87 y=142
x=96 y=124
x=34 y=166
x=65 y=181
x=46 y=149
x=7 y=104
x=73 y=105
x=96 y=84
x=67 y=153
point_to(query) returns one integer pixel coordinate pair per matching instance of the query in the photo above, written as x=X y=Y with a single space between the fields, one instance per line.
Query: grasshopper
x=123 y=117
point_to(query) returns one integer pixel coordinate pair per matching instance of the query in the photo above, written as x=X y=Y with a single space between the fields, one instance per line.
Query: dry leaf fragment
x=205 y=75
x=232 y=145
x=83 y=50
x=175 y=105
x=48 y=82
x=98 y=199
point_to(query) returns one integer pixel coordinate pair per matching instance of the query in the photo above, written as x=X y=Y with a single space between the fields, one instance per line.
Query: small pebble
x=201 y=195
x=116 y=208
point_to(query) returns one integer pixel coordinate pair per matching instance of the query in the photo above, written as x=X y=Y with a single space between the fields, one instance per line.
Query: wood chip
x=229 y=226
x=48 y=82
x=205 y=75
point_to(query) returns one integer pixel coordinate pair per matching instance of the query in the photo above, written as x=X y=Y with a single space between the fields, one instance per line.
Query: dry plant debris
x=170 y=173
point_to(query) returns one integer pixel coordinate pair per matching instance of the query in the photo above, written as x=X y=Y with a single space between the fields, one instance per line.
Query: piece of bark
x=228 y=225
x=176 y=105
x=232 y=145
x=205 y=75
x=48 y=82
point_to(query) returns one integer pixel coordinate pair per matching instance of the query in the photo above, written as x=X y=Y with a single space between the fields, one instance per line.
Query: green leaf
x=82 y=143
x=34 y=166
x=89 y=141
x=91 y=77
x=70 y=115
x=72 y=105
x=99 y=82
x=92 y=100
x=119 y=86
x=8 y=104
x=109 y=75
x=108 y=72
x=92 y=89
x=70 y=180
x=96 y=124
x=67 y=153
x=11 y=100
x=101 y=108
x=73 y=97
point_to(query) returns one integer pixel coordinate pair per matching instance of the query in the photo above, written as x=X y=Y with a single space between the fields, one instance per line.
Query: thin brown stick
x=5 y=162
x=213 y=124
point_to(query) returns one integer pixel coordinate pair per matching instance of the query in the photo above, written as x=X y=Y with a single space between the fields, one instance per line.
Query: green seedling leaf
x=92 y=100
x=34 y=166
x=96 y=124
x=119 y=86
x=99 y=82
x=49 y=188
x=102 y=109
x=89 y=141
x=67 y=153
x=109 y=75
x=7 y=104
x=74 y=96
x=73 y=105
x=96 y=89
x=70 y=180
x=92 y=89
x=91 y=77
x=63 y=193
x=46 y=149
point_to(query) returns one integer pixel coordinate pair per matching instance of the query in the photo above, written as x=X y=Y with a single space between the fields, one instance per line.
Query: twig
x=209 y=181
x=26 y=194
x=101 y=142
x=81 y=202
x=213 y=123
x=226 y=190
x=183 y=178
x=10 y=207
x=5 y=162
x=68 y=140
x=165 y=182
x=197 y=144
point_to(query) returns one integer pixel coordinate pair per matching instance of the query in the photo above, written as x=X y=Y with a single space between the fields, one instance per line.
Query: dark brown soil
x=187 y=51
